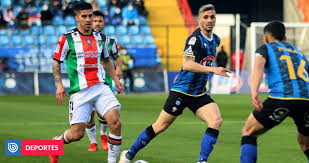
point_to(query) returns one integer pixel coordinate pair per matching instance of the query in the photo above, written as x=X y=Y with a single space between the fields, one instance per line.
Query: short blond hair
x=206 y=8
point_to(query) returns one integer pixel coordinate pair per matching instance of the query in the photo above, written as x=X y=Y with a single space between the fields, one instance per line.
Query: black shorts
x=275 y=111
x=177 y=102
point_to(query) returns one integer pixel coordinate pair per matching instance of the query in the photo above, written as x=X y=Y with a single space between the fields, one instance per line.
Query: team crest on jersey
x=192 y=41
x=189 y=50
x=88 y=41
x=207 y=61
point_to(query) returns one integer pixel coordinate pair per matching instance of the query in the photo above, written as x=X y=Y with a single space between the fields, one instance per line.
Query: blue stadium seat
x=35 y=30
x=102 y=3
x=40 y=40
x=28 y=40
x=121 y=30
x=52 y=40
x=148 y=39
x=71 y=27
x=69 y=20
x=133 y=30
x=49 y=30
x=137 y=39
x=4 y=41
x=3 y=32
x=124 y=40
x=145 y=29
x=58 y=20
x=61 y=30
x=24 y=32
x=142 y=20
x=15 y=40
x=15 y=32
x=5 y=3
x=109 y=30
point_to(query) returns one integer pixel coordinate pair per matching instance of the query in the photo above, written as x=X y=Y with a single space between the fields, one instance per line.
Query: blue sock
x=248 y=153
x=143 y=139
x=307 y=154
x=208 y=143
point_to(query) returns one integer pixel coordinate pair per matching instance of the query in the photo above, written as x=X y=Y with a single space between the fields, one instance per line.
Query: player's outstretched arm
x=60 y=93
x=110 y=70
x=189 y=64
x=257 y=76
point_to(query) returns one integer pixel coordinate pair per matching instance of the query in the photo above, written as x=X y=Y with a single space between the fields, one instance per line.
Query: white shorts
x=82 y=102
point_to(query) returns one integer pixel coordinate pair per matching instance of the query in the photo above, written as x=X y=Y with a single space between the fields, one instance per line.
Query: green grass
x=32 y=118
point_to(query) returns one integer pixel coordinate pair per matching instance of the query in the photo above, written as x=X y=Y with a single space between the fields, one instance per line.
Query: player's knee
x=249 y=132
x=216 y=124
x=115 y=125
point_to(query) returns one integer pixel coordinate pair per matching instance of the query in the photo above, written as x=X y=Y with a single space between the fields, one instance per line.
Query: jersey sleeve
x=192 y=46
x=262 y=52
x=113 y=49
x=61 y=49
x=105 y=51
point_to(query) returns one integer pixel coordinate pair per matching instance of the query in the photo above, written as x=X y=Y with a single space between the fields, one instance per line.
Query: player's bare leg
x=103 y=132
x=162 y=123
x=209 y=114
x=91 y=132
x=114 y=138
x=251 y=131
x=304 y=143
x=76 y=132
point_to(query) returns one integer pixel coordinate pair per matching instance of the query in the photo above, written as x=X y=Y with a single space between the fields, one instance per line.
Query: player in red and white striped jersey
x=85 y=53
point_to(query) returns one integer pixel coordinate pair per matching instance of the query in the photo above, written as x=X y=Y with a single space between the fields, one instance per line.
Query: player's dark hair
x=98 y=13
x=206 y=8
x=78 y=6
x=276 y=29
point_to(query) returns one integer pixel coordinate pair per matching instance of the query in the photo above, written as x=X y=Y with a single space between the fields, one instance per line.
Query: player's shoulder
x=261 y=49
x=97 y=33
x=194 y=39
x=70 y=31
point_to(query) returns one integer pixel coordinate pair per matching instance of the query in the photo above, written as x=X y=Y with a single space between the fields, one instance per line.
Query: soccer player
x=84 y=50
x=286 y=71
x=98 y=24
x=189 y=89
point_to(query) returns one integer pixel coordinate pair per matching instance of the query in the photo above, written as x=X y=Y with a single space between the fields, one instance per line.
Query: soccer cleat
x=93 y=147
x=123 y=158
x=104 y=142
x=54 y=158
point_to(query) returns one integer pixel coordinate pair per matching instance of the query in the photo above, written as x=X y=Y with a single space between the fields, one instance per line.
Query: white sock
x=114 y=144
x=63 y=137
x=91 y=132
x=103 y=128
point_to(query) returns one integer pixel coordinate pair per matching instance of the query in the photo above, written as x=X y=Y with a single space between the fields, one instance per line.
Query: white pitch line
x=128 y=123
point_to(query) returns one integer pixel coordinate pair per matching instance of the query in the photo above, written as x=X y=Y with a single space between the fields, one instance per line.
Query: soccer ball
x=140 y=161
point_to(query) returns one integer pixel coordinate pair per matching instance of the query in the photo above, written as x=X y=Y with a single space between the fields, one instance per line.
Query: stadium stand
x=38 y=35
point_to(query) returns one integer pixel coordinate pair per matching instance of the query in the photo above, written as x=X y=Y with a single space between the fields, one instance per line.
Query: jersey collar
x=83 y=34
x=209 y=39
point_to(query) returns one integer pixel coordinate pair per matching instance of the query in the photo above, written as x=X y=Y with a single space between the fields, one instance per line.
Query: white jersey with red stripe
x=83 y=55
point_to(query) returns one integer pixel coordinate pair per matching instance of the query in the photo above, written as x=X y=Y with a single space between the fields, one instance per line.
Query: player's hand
x=221 y=71
x=256 y=101
x=119 y=73
x=119 y=87
x=60 y=94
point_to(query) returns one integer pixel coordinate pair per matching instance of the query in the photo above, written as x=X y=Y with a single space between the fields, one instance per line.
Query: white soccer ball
x=140 y=161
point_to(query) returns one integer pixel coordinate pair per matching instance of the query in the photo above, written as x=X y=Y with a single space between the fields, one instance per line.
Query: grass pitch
x=41 y=118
